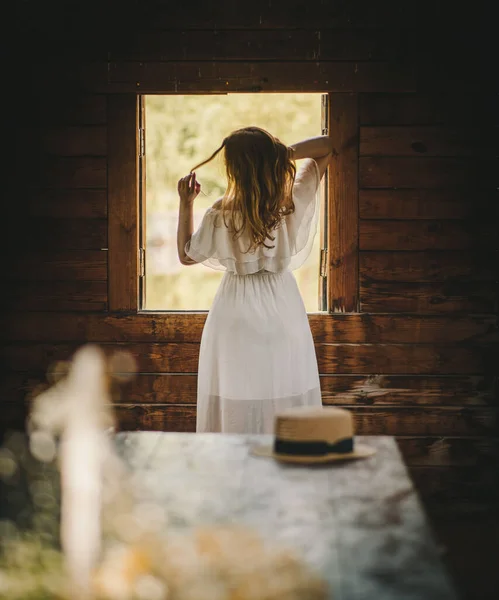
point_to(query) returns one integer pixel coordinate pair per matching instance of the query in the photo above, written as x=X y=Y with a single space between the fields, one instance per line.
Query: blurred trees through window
x=182 y=131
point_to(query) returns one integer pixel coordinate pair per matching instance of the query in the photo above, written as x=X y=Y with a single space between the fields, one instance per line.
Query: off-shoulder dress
x=257 y=354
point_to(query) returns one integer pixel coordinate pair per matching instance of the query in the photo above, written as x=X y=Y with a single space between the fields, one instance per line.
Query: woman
x=257 y=355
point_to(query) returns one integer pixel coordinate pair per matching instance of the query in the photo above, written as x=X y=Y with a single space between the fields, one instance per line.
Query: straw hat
x=314 y=435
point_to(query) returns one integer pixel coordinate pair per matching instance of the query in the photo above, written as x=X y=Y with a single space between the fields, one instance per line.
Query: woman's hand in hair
x=188 y=188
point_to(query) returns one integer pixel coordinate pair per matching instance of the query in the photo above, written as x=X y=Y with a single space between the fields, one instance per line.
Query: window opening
x=183 y=130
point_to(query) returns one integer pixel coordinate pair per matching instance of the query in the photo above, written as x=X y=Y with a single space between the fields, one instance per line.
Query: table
x=359 y=523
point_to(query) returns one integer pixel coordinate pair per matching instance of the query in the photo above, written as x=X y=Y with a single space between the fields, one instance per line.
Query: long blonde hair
x=260 y=174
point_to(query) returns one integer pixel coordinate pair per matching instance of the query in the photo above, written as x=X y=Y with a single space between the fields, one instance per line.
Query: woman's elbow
x=186 y=260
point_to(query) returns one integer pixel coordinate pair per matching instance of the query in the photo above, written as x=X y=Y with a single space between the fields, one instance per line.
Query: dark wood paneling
x=156 y=418
x=66 y=204
x=187 y=328
x=377 y=390
x=69 y=265
x=251 y=45
x=154 y=77
x=343 y=226
x=63 y=108
x=426 y=234
x=427 y=141
x=66 y=234
x=434 y=297
x=226 y=14
x=427 y=266
x=123 y=200
x=419 y=172
x=428 y=109
x=55 y=296
x=452 y=452
x=450 y=493
x=404 y=390
x=428 y=204
x=399 y=359
x=70 y=172
x=372 y=421
x=341 y=390
x=73 y=140
x=332 y=358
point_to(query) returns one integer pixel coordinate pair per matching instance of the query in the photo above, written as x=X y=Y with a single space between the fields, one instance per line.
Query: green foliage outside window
x=181 y=131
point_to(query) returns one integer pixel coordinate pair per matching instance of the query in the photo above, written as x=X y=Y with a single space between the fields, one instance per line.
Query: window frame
x=126 y=227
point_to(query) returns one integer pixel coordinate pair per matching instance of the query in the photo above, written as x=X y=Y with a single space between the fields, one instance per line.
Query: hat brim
x=359 y=452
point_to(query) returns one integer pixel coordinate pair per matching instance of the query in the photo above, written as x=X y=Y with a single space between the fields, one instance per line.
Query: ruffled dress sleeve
x=214 y=245
x=301 y=225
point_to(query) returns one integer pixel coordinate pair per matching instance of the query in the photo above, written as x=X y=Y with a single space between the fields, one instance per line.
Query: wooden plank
x=224 y=77
x=453 y=493
x=55 y=296
x=78 y=265
x=427 y=204
x=412 y=421
x=261 y=14
x=70 y=172
x=156 y=418
x=368 y=421
x=445 y=266
x=428 y=109
x=341 y=390
x=420 y=172
x=60 y=204
x=74 y=140
x=231 y=76
x=402 y=359
x=66 y=234
x=254 y=44
x=65 y=108
x=429 y=298
x=123 y=202
x=343 y=233
x=406 y=390
x=429 y=234
x=165 y=328
x=449 y=451
x=368 y=359
x=427 y=141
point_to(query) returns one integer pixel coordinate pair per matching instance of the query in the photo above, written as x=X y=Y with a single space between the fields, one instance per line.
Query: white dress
x=257 y=354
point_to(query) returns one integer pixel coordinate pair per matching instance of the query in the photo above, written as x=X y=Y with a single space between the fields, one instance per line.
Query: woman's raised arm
x=314 y=147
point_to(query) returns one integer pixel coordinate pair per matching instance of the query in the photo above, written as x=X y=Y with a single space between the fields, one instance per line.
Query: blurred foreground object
x=115 y=547
x=83 y=416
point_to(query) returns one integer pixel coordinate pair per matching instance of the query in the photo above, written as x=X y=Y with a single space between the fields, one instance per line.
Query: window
x=182 y=131
x=127 y=231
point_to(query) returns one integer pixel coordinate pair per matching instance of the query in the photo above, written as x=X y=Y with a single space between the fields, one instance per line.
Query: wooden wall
x=421 y=360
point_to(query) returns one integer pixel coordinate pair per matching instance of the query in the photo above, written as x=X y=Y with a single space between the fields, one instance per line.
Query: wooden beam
x=54 y=296
x=67 y=234
x=345 y=390
x=69 y=204
x=426 y=172
x=445 y=298
x=368 y=420
x=348 y=359
x=447 y=108
x=123 y=216
x=429 y=234
x=427 y=204
x=427 y=141
x=59 y=265
x=440 y=265
x=186 y=328
x=253 y=45
x=343 y=234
